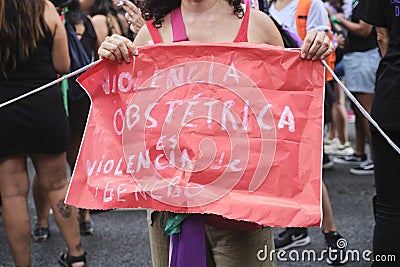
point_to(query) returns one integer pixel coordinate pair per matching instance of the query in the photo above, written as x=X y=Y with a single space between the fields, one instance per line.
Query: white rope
x=363 y=111
x=50 y=84
x=352 y=98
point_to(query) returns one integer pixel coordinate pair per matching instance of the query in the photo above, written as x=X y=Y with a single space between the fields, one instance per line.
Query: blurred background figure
x=361 y=60
x=34 y=49
x=124 y=22
x=82 y=46
x=337 y=142
x=133 y=15
x=105 y=19
x=285 y=12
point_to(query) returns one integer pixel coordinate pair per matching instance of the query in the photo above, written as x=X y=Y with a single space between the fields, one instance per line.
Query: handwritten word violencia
x=167 y=79
x=135 y=163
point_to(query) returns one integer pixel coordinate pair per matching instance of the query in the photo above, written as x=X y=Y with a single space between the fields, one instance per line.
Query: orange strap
x=331 y=59
x=303 y=7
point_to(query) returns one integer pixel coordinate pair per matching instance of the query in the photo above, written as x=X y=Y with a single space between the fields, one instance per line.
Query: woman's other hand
x=134 y=16
x=117 y=47
x=316 y=45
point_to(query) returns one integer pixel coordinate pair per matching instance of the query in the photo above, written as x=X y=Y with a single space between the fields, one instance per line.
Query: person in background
x=336 y=143
x=211 y=21
x=385 y=15
x=317 y=19
x=78 y=110
x=123 y=21
x=339 y=6
x=104 y=18
x=134 y=16
x=361 y=61
x=33 y=50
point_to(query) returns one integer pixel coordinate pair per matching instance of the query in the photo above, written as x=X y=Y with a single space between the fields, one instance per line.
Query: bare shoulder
x=262 y=29
x=51 y=16
x=99 y=20
x=143 y=37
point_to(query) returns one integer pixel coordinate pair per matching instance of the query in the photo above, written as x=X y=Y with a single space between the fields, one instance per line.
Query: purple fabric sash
x=188 y=248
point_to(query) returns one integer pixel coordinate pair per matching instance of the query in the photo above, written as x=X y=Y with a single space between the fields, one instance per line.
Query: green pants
x=225 y=248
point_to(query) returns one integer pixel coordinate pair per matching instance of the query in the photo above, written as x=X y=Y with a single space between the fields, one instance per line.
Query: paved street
x=121 y=237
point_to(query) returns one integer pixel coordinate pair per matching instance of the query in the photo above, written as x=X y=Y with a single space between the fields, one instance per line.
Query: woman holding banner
x=228 y=242
x=34 y=49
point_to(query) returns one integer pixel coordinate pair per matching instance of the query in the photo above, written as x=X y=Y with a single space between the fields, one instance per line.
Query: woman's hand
x=117 y=47
x=134 y=16
x=316 y=45
x=340 y=17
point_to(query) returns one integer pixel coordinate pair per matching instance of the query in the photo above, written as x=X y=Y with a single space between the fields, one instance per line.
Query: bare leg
x=84 y=214
x=72 y=154
x=14 y=189
x=340 y=115
x=362 y=124
x=78 y=111
x=51 y=170
x=360 y=134
x=327 y=219
x=42 y=204
x=366 y=101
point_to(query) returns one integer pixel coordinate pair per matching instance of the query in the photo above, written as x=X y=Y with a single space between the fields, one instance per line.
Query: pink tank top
x=179 y=33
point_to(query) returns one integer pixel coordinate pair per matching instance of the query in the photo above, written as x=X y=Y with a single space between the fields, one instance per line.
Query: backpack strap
x=155 y=35
x=178 y=27
x=302 y=11
x=303 y=7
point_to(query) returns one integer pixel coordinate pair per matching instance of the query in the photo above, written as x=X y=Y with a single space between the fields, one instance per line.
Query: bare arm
x=60 y=54
x=100 y=27
x=383 y=39
x=361 y=29
x=263 y=30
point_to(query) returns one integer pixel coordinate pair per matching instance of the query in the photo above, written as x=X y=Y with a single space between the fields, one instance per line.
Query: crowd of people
x=359 y=38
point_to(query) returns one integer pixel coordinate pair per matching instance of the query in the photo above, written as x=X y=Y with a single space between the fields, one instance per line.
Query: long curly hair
x=157 y=9
x=20 y=30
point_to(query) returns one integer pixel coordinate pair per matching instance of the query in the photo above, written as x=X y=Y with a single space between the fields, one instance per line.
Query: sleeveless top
x=89 y=39
x=37 y=123
x=34 y=71
x=178 y=27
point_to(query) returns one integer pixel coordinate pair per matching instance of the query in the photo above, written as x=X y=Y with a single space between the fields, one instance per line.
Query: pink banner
x=227 y=129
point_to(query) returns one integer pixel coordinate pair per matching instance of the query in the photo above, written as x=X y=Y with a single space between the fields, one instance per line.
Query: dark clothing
x=37 y=123
x=383 y=13
x=386 y=111
x=356 y=43
x=79 y=104
x=386 y=107
x=89 y=39
x=390 y=182
x=387 y=200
